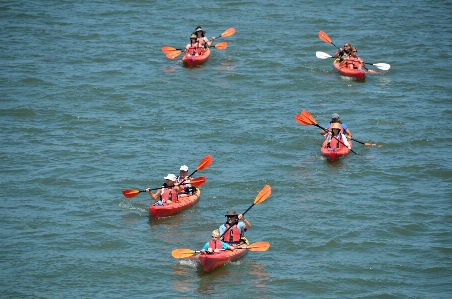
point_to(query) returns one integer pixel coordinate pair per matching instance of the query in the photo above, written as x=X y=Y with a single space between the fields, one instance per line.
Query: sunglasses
x=215 y=237
x=354 y=51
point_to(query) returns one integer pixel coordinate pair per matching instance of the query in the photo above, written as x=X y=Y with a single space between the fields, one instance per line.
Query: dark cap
x=231 y=213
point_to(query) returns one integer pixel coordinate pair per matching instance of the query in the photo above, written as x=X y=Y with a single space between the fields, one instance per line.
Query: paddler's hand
x=231 y=247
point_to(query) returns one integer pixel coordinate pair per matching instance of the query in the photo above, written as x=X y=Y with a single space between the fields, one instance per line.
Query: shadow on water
x=188 y=276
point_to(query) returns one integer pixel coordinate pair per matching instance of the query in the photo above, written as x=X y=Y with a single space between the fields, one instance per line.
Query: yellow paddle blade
x=301 y=120
x=198 y=182
x=263 y=194
x=221 y=46
x=258 y=246
x=205 y=163
x=130 y=193
x=308 y=117
x=173 y=54
x=228 y=32
x=323 y=36
x=182 y=253
x=167 y=48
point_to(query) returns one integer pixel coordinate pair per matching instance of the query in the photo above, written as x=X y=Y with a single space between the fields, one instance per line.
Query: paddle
x=307 y=119
x=197 y=182
x=171 y=54
x=256 y=247
x=324 y=37
x=381 y=66
x=261 y=196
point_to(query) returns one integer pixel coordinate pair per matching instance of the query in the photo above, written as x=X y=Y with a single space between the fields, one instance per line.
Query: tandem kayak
x=333 y=154
x=357 y=74
x=210 y=261
x=191 y=60
x=183 y=203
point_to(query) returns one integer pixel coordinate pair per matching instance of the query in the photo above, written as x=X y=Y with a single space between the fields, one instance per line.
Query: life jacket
x=201 y=42
x=192 y=50
x=168 y=194
x=354 y=62
x=215 y=244
x=337 y=142
x=233 y=235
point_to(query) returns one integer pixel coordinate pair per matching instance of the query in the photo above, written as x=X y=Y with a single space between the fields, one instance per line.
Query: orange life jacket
x=233 y=235
x=168 y=194
x=215 y=244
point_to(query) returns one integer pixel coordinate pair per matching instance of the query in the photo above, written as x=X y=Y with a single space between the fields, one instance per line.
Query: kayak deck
x=357 y=74
x=210 y=261
x=183 y=203
x=334 y=154
x=191 y=60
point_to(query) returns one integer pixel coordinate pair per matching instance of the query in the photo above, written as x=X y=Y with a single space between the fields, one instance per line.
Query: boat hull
x=191 y=61
x=215 y=260
x=334 y=154
x=173 y=208
x=345 y=71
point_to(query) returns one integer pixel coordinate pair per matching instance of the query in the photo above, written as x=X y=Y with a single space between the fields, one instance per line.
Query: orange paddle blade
x=182 y=253
x=167 y=49
x=259 y=246
x=308 y=117
x=205 y=163
x=323 y=36
x=228 y=32
x=130 y=193
x=221 y=46
x=173 y=54
x=263 y=194
x=198 y=182
x=301 y=120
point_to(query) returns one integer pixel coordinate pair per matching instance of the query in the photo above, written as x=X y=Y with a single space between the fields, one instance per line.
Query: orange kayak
x=333 y=154
x=190 y=60
x=210 y=261
x=345 y=71
x=183 y=203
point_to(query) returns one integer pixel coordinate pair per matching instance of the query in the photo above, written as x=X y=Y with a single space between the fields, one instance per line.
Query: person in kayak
x=336 y=119
x=335 y=139
x=193 y=48
x=233 y=231
x=215 y=244
x=167 y=193
x=353 y=61
x=183 y=178
x=342 y=53
x=201 y=39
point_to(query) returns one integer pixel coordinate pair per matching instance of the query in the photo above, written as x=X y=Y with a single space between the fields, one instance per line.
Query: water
x=90 y=106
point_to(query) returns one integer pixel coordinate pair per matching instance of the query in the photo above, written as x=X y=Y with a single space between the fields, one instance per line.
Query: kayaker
x=215 y=244
x=193 y=48
x=183 y=178
x=202 y=40
x=238 y=225
x=341 y=53
x=335 y=139
x=336 y=119
x=168 y=193
x=353 y=61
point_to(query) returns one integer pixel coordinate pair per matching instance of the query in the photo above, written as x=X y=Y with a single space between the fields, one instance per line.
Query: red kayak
x=210 y=261
x=333 y=154
x=192 y=60
x=358 y=74
x=183 y=203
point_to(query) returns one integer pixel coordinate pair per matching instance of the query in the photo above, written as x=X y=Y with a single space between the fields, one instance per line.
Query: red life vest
x=233 y=235
x=168 y=194
x=354 y=62
x=192 y=50
x=335 y=143
x=215 y=244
